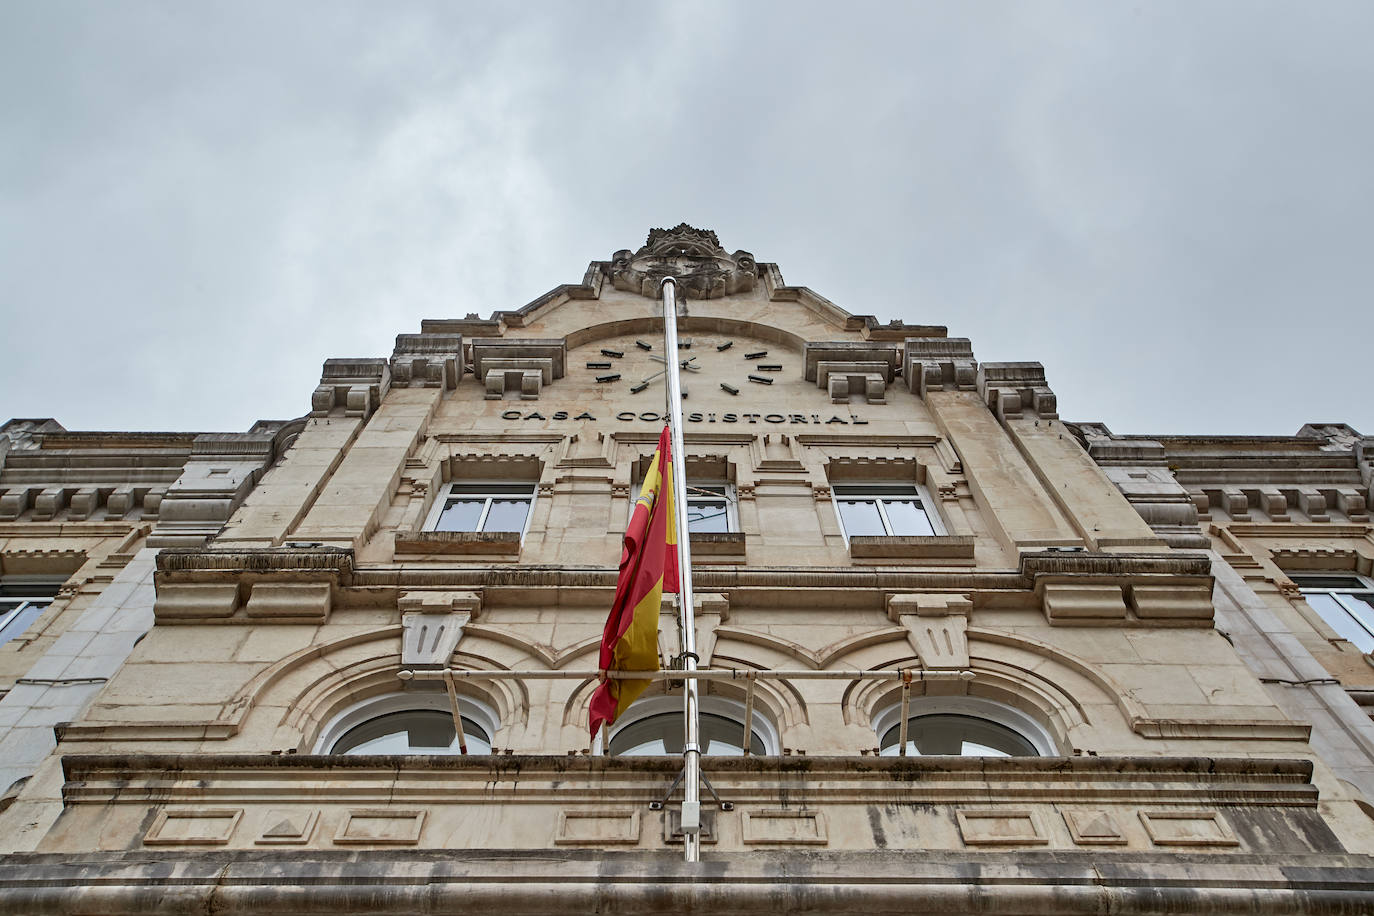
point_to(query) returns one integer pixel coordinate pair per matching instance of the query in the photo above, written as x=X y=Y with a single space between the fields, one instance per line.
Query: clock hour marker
x=759 y=355
x=608 y=378
x=769 y=367
x=636 y=389
x=684 y=345
x=643 y=346
x=725 y=346
x=762 y=380
x=598 y=365
x=616 y=353
x=730 y=388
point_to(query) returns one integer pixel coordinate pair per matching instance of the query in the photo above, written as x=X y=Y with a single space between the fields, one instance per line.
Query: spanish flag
x=648 y=568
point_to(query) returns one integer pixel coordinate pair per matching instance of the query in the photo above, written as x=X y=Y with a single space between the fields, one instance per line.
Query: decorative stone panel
x=1014 y=390
x=939 y=364
x=693 y=257
x=427 y=361
x=356 y=385
x=1187 y=828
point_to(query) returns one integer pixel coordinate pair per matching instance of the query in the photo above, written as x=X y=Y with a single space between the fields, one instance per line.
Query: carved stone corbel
x=1017 y=390
x=432 y=625
x=427 y=361
x=939 y=364
x=357 y=385
x=937 y=627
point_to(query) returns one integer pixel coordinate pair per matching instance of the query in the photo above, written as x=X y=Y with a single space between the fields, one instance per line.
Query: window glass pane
x=860 y=517
x=460 y=515
x=707 y=515
x=18 y=620
x=907 y=517
x=1340 y=619
x=507 y=515
x=958 y=736
x=417 y=731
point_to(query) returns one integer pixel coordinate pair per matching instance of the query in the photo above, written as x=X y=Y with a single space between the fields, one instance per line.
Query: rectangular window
x=485 y=507
x=1345 y=602
x=20 y=605
x=884 y=510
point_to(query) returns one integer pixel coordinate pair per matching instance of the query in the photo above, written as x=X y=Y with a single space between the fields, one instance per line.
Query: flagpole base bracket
x=658 y=805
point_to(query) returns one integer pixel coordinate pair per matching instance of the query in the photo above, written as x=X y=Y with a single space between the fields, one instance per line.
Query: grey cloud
x=1167 y=204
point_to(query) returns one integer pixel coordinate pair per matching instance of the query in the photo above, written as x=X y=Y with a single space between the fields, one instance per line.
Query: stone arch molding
x=289 y=702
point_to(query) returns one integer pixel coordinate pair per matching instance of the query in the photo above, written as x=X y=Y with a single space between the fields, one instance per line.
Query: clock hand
x=685 y=364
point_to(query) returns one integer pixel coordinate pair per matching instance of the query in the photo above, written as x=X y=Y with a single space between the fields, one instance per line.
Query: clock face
x=715 y=368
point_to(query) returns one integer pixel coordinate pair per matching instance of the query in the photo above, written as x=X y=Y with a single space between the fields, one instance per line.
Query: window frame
x=729 y=495
x=31 y=594
x=413 y=700
x=1357 y=612
x=921 y=493
x=491 y=489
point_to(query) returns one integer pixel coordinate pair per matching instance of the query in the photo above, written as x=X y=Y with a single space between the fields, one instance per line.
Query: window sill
x=480 y=543
x=958 y=547
x=717 y=544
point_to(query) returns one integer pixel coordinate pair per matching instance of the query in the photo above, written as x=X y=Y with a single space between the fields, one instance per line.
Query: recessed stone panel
x=380 y=827
x=193 y=827
x=1188 y=828
x=598 y=828
x=785 y=828
x=1000 y=826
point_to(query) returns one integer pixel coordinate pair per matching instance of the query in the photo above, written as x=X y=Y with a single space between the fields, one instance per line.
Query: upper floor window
x=711 y=508
x=884 y=510
x=494 y=506
x=1345 y=602
x=21 y=603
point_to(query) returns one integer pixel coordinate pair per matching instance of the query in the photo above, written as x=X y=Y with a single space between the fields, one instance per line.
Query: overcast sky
x=1168 y=204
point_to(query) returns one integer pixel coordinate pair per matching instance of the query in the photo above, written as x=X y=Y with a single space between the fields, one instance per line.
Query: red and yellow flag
x=648 y=568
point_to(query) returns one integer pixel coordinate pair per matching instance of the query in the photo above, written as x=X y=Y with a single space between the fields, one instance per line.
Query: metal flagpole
x=691 y=751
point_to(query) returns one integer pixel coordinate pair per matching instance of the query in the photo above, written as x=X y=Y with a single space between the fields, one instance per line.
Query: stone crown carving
x=692 y=256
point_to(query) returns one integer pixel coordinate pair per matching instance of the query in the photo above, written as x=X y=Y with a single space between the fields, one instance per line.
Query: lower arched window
x=413 y=722
x=962 y=727
x=654 y=727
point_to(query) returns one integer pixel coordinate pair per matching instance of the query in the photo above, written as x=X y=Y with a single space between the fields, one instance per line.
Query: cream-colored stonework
x=1193 y=724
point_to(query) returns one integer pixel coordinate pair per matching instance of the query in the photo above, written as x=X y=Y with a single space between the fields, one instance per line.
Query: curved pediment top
x=694 y=257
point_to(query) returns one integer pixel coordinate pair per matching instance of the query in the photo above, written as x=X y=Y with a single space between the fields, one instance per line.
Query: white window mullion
x=486 y=510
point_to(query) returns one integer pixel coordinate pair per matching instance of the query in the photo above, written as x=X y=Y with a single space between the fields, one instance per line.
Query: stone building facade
x=1030 y=666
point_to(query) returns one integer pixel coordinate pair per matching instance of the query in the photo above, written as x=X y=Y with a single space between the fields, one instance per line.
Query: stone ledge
x=483 y=543
x=916 y=546
x=632 y=882
x=717 y=543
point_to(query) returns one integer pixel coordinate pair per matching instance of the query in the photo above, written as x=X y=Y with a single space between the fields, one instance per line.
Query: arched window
x=962 y=727
x=417 y=721
x=654 y=727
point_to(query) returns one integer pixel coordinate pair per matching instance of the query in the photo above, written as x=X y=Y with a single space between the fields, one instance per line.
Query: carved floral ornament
x=692 y=256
